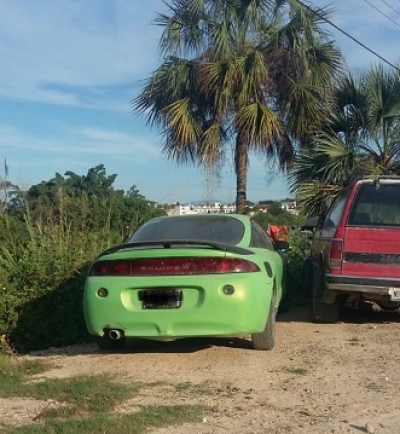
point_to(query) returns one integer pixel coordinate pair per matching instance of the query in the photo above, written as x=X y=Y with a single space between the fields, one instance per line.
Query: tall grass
x=44 y=255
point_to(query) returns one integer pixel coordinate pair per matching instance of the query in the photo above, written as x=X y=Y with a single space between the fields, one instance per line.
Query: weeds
x=195 y=389
x=354 y=340
x=297 y=371
x=87 y=394
x=134 y=423
x=13 y=373
x=84 y=404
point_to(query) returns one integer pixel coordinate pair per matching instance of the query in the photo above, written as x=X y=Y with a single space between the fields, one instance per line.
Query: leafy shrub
x=42 y=274
x=42 y=284
x=299 y=248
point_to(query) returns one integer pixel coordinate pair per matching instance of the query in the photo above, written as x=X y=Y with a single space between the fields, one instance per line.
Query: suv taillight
x=336 y=253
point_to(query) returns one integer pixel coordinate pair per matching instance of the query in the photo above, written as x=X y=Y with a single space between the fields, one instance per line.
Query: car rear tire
x=106 y=343
x=265 y=340
x=322 y=312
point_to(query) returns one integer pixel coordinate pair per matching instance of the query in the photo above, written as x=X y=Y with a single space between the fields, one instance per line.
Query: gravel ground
x=334 y=378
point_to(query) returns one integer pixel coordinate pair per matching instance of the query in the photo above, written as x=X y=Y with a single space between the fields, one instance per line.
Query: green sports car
x=187 y=276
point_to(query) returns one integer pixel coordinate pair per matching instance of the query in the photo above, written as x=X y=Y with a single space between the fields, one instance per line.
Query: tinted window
x=335 y=212
x=376 y=206
x=205 y=228
x=259 y=238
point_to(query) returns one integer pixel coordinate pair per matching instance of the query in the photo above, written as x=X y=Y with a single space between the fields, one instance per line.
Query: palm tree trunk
x=241 y=163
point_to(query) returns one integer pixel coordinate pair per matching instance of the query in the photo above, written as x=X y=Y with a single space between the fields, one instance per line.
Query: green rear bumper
x=205 y=309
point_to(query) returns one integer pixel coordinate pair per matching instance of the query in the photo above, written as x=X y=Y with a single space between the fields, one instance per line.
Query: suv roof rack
x=375 y=177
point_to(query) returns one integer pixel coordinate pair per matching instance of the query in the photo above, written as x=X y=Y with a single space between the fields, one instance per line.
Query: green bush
x=42 y=285
x=299 y=248
x=48 y=238
x=42 y=274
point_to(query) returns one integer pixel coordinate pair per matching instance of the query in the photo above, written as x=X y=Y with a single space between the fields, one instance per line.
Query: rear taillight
x=172 y=266
x=336 y=253
x=111 y=268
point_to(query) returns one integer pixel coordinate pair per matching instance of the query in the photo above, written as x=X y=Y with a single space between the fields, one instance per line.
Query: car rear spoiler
x=167 y=244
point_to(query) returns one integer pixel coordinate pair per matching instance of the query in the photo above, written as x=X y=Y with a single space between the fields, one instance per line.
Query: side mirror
x=281 y=245
x=311 y=223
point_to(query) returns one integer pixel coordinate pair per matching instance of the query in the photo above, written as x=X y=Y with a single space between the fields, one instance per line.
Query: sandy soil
x=336 y=378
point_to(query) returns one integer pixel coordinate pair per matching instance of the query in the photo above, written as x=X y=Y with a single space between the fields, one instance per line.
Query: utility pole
x=5 y=184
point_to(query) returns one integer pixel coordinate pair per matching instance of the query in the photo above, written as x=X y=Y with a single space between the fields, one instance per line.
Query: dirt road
x=332 y=378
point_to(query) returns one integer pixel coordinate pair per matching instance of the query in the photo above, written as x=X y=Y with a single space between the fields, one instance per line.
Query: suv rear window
x=376 y=205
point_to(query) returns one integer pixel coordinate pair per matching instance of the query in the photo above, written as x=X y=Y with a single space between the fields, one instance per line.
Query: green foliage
x=86 y=394
x=87 y=202
x=42 y=303
x=13 y=372
x=140 y=422
x=46 y=247
x=84 y=402
x=299 y=249
x=297 y=371
x=276 y=215
x=360 y=137
x=299 y=243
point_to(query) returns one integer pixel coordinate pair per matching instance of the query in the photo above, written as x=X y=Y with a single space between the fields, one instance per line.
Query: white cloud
x=74 y=44
x=81 y=142
x=65 y=51
x=117 y=142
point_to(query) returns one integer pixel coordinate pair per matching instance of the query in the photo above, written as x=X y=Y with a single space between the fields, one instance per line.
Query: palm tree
x=362 y=137
x=250 y=74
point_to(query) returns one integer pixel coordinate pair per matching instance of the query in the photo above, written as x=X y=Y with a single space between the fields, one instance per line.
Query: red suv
x=356 y=250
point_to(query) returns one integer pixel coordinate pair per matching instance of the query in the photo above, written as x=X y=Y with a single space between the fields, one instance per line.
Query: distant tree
x=275 y=209
x=100 y=205
x=276 y=215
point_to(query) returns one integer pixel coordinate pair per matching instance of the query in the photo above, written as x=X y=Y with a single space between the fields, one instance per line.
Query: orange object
x=279 y=232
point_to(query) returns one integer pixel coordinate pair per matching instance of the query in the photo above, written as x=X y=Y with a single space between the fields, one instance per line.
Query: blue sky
x=70 y=68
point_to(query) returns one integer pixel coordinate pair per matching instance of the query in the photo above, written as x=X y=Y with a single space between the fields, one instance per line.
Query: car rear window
x=204 y=228
x=376 y=205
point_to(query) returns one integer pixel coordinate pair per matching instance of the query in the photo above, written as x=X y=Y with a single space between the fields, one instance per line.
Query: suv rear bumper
x=364 y=285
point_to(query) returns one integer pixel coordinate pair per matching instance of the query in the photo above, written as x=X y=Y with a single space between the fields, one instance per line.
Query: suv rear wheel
x=322 y=312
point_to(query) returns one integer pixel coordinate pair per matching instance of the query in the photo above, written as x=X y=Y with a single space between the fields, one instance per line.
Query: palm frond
x=265 y=132
x=304 y=108
x=314 y=197
x=182 y=32
x=184 y=127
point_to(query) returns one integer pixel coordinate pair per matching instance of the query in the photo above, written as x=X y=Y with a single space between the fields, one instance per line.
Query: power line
x=382 y=13
x=390 y=6
x=348 y=35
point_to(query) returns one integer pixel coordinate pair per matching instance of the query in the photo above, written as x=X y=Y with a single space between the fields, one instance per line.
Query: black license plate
x=162 y=298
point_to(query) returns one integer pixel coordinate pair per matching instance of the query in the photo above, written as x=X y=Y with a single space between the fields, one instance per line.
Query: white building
x=203 y=208
x=290 y=207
